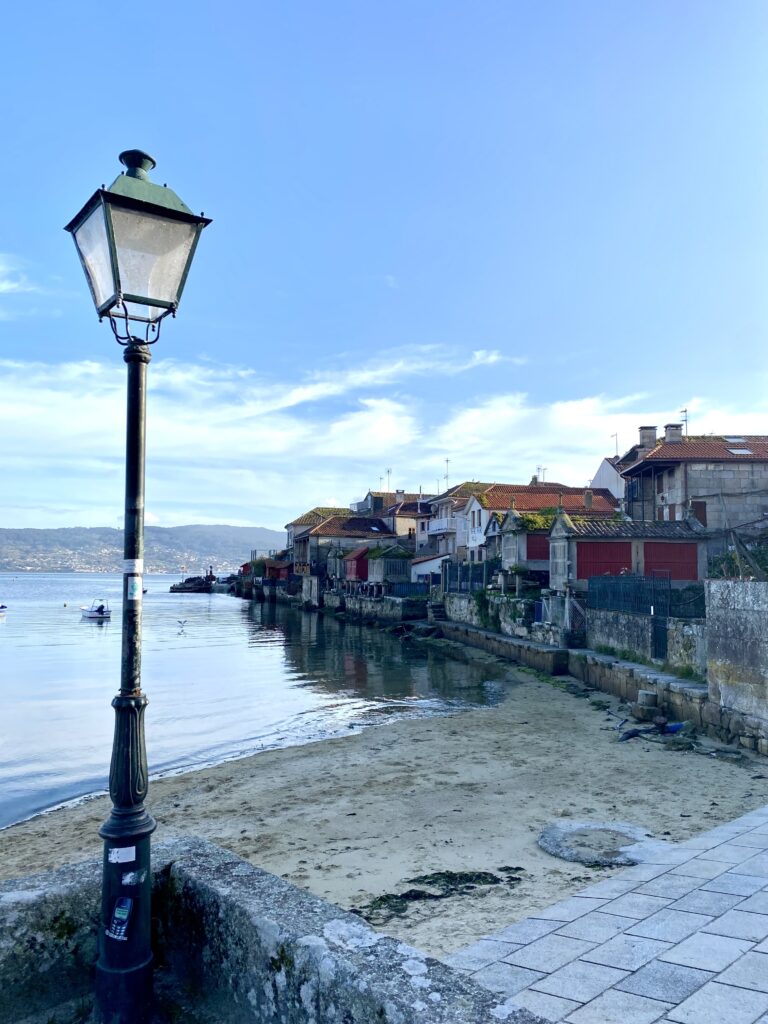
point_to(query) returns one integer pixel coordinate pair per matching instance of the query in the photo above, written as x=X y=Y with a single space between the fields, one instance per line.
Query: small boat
x=98 y=612
x=3 y=609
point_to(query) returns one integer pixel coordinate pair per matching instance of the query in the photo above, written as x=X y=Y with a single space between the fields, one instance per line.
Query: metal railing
x=646 y=595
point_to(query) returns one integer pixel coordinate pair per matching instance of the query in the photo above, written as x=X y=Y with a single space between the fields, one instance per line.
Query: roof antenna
x=684 y=414
x=616 y=439
x=447 y=464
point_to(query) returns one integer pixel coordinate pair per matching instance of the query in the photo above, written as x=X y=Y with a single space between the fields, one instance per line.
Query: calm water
x=233 y=679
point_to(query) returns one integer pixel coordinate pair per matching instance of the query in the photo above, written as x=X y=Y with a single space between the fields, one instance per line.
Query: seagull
x=182 y=622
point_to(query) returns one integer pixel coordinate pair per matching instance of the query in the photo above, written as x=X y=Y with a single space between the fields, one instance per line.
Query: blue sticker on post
x=134 y=588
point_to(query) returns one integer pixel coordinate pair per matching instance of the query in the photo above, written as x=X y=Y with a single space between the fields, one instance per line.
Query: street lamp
x=136 y=241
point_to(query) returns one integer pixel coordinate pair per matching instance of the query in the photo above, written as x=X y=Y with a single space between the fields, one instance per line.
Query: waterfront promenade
x=680 y=938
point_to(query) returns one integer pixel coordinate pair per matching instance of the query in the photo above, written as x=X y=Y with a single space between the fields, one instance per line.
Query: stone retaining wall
x=541 y=657
x=257 y=949
x=386 y=609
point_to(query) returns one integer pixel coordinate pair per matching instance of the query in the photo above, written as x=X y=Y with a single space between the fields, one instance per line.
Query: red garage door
x=601 y=558
x=678 y=561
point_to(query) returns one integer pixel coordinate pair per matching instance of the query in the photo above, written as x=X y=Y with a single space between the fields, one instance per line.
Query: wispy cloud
x=13 y=280
x=226 y=445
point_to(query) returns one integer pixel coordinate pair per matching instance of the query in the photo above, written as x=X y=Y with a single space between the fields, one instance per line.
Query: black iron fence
x=409 y=589
x=646 y=595
x=467 y=578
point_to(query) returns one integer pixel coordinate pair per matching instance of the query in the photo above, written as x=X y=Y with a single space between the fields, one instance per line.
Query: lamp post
x=136 y=241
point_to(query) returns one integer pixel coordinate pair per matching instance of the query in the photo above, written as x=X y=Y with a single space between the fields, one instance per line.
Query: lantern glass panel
x=152 y=257
x=93 y=244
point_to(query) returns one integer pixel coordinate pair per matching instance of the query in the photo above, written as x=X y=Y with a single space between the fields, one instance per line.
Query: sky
x=505 y=234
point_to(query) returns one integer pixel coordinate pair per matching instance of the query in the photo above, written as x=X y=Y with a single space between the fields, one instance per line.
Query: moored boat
x=99 y=610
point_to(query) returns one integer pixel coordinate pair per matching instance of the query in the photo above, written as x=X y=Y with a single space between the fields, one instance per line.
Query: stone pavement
x=680 y=938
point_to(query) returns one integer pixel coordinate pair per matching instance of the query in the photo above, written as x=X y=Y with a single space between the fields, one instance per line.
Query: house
x=376 y=502
x=580 y=547
x=335 y=534
x=423 y=567
x=277 y=569
x=482 y=507
x=608 y=477
x=525 y=543
x=404 y=518
x=301 y=526
x=720 y=480
x=446 y=526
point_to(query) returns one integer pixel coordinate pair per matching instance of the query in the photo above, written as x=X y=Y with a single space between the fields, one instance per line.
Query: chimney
x=673 y=433
x=534 y=480
x=647 y=437
x=399 y=496
x=513 y=503
x=588 y=498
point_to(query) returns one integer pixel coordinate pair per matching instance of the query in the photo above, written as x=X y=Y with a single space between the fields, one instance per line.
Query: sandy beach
x=361 y=817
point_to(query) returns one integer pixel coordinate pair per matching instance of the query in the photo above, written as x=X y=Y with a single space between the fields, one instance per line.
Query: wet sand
x=357 y=818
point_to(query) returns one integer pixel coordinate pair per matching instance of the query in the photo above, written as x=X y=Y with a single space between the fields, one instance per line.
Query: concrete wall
x=737 y=656
x=256 y=950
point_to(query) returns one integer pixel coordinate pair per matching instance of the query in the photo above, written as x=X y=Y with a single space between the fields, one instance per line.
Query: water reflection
x=345 y=658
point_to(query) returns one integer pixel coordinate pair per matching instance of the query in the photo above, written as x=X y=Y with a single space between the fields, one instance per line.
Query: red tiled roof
x=706 y=448
x=535 y=497
x=353 y=526
x=409 y=508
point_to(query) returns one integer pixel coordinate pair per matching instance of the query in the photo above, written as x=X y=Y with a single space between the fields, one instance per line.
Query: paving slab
x=749 y=971
x=634 y=905
x=596 y=927
x=757 y=904
x=527 y=930
x=480 y=954
x=700 y=868
x=505 y=978
x=614 y=1007
x=740 y=925
x=549 y=953
x=720 y=1004
x=707 y=902
x=570 y=909
x=551 y=1008
x=741 y=884
x=670 y=925
x=728 y=853
x=580 y=980
x=627 y=952
x=748 y=839
x=673 y=886
x=671 y=982
x=707 y=952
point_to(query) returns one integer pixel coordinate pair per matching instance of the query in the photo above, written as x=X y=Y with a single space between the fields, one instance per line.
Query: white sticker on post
x=134 y=588
x=133 y=565
x=122 y=855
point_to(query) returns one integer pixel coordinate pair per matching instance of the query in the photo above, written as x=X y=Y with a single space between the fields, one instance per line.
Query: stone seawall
x=542 y=657
x=252 y=947
x=504 y=614
x=386 y=609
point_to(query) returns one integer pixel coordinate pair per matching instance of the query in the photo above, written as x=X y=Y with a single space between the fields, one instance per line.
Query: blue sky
x=494 y=232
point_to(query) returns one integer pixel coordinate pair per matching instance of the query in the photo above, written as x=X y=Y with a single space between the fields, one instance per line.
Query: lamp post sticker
x=122 y=855
x=134 y=588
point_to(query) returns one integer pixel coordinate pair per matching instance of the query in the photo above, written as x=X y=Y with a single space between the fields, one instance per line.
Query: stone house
x=407 y=518
x=389 y=564
x=721 y=480
x=301 y=525
x=334 y=535
x=580 y=548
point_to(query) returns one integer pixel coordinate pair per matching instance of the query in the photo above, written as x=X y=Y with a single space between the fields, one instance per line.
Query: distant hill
x=167 y=548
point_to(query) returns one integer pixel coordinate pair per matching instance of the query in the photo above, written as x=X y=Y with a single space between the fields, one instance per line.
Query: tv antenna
x=540 y=473
x=447 y=464
x=616 y=439
x=684 y=414
x=389 y=477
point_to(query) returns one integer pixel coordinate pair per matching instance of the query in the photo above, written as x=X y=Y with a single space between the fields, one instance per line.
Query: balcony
x=446 y=525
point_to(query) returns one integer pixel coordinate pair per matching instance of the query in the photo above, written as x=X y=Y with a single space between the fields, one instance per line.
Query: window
x=659 y=483
x=699 y=509
x=741 y=451
x=422 y=526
